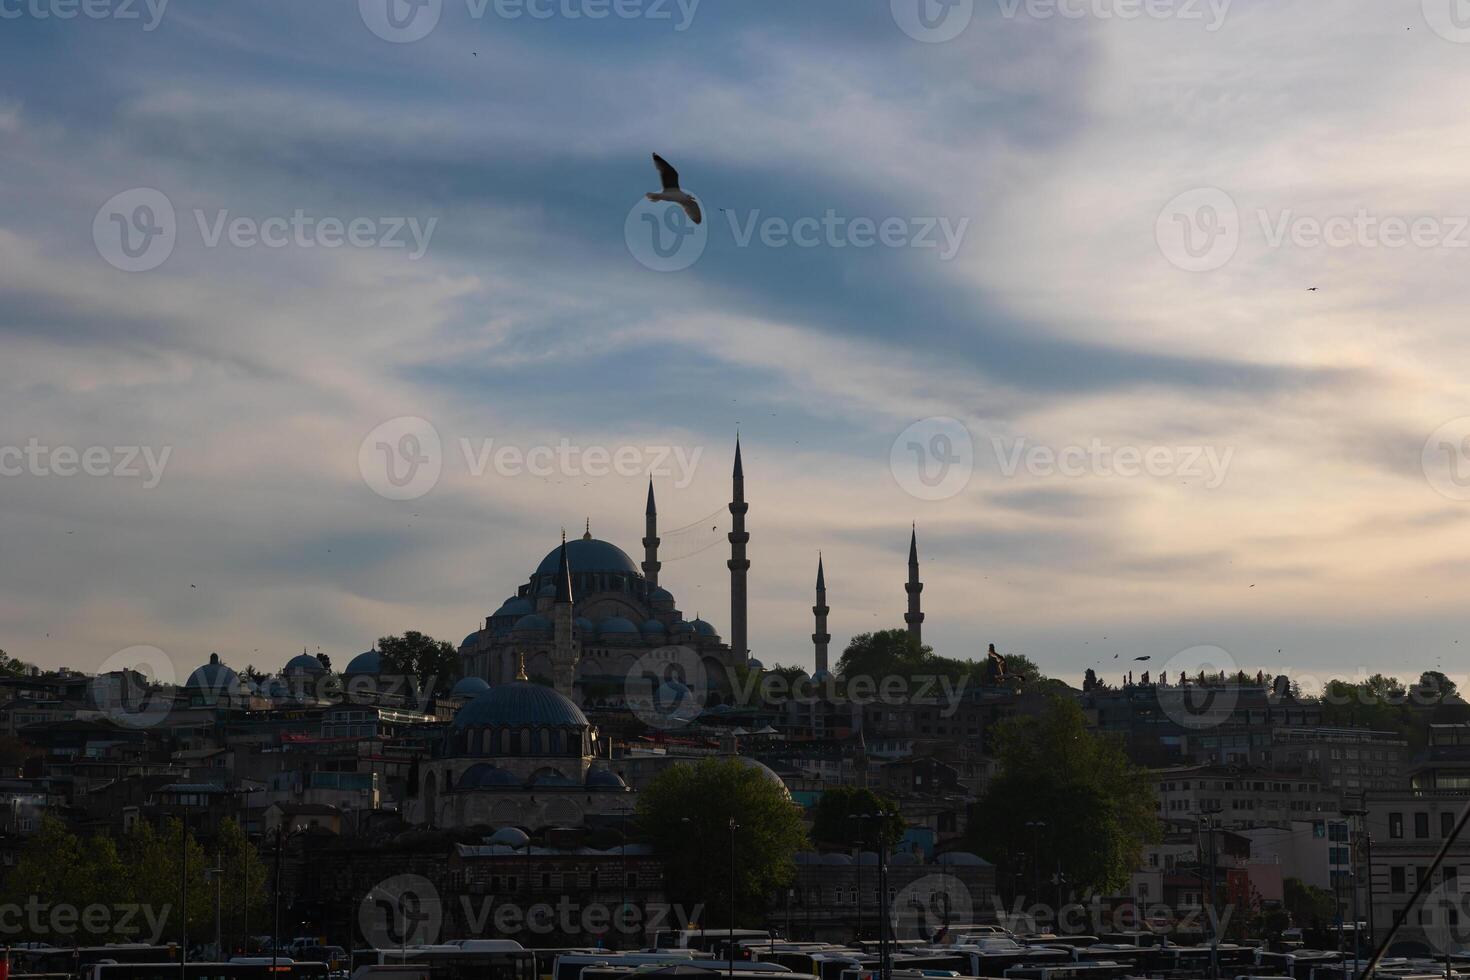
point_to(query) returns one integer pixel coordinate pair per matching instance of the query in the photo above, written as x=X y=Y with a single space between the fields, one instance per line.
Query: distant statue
x=995 y=668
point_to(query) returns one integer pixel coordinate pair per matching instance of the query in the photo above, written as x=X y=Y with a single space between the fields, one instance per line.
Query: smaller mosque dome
x=660 y=594
x=616 y=629
x=835 y=859
x=903 y=858
x=482 y=775
x=509 y=837
x=520 y=703
x=514 y=606
x=599 y=778
x=303 y=663
x=681 y=626
x=585 y=625
x=472 y=639
x=369 y=662
x=755 y=664
x=213 y=676
x=552 y=779
x=533 y=622
x=469 y=687
x=655 y=627
x=821 y=675
x=703 y=628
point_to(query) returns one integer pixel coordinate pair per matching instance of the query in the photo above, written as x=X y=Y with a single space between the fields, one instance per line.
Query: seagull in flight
x=671 y=191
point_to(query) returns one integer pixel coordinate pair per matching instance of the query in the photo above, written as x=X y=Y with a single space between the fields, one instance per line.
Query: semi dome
x=370 y=662
x=654 y=626
x=520 y=703
x=588 y=555
x=214 y=676
x=661 y=594
x=585 y=625
x=471 y=640
x=599 y=778
x=703 y=628
x=510 y=837
x=616 y=624
x=482 y=775
x=552 y=779
x=304 y=663
x=533 y=622
x=514 y=606
x=469 y=687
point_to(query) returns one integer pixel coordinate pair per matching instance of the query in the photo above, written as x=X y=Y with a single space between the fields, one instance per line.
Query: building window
x=1396 y=826
x=1446 y=823
x=1396 y=880
x=1451 y=879
x=1421 y=825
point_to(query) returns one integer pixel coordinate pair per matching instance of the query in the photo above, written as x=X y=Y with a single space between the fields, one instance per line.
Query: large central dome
x=588 y=555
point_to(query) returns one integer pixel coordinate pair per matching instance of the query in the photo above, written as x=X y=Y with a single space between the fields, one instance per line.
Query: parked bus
x=75 y=960
x=705 y=940
x=255 y=968
x=468 y=959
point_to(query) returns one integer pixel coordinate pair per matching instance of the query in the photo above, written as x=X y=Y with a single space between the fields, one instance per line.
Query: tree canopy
x=142 y=868
x=1089 y=808
x=838 y=817
x=685 y=813
x=433 y=663
x=890 y=653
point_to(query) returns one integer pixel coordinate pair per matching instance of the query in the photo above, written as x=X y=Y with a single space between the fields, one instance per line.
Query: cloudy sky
x=1037 y=277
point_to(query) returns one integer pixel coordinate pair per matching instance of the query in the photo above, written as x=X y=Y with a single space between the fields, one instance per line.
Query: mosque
x=521 y=751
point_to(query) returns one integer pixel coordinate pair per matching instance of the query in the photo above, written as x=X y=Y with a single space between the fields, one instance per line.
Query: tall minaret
x=651 y=564
x=564 y=654
x=738 y=564
x=821 y=637
x=914 y=617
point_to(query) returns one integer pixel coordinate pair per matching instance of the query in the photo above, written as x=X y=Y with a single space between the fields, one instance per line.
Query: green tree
x=895 y=653
x=433 y=663
x=1097 y=807
x=685 y=813
x=835 y=817
x=1435 y=686
x=1310 y=907
x=12 y=666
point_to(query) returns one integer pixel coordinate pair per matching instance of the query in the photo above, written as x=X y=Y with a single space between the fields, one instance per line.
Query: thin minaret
x=821 y=637
x=651 y=564
x=738 y=564
x=915 y=616
x=564 y=654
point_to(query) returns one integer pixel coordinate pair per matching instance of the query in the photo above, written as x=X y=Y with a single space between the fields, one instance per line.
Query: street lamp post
x=733 y=825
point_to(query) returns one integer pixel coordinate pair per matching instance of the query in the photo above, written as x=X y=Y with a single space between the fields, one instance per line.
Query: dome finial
x=521 y=666
x=587 y=534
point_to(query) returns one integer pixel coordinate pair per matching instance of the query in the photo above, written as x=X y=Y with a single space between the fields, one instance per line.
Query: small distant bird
x=1143 y=658
x=1311 y=289
x=671 y=192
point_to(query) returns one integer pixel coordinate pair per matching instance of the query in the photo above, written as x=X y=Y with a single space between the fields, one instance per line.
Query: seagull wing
x=691 y=208
x=666 y=173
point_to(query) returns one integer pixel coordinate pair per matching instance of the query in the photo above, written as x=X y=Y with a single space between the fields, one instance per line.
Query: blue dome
x=654 y=626
x=365 y=663
x=755 y=664
x=703 y=628
x=588 y=555
x=304 y=663
x=214 y=676
x=510 y=837
x=585 y=625
x=661 y=594
x=681 y=626
x=553 y=779
x=469 y=687
x=616 y=624
x=533 y=622
x=599 y=778
x=482 y=775
x=470 y=640
x=514 y=606
x=520 y=703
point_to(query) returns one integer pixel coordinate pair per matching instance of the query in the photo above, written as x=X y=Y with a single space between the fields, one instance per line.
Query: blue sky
x=1064 y=149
